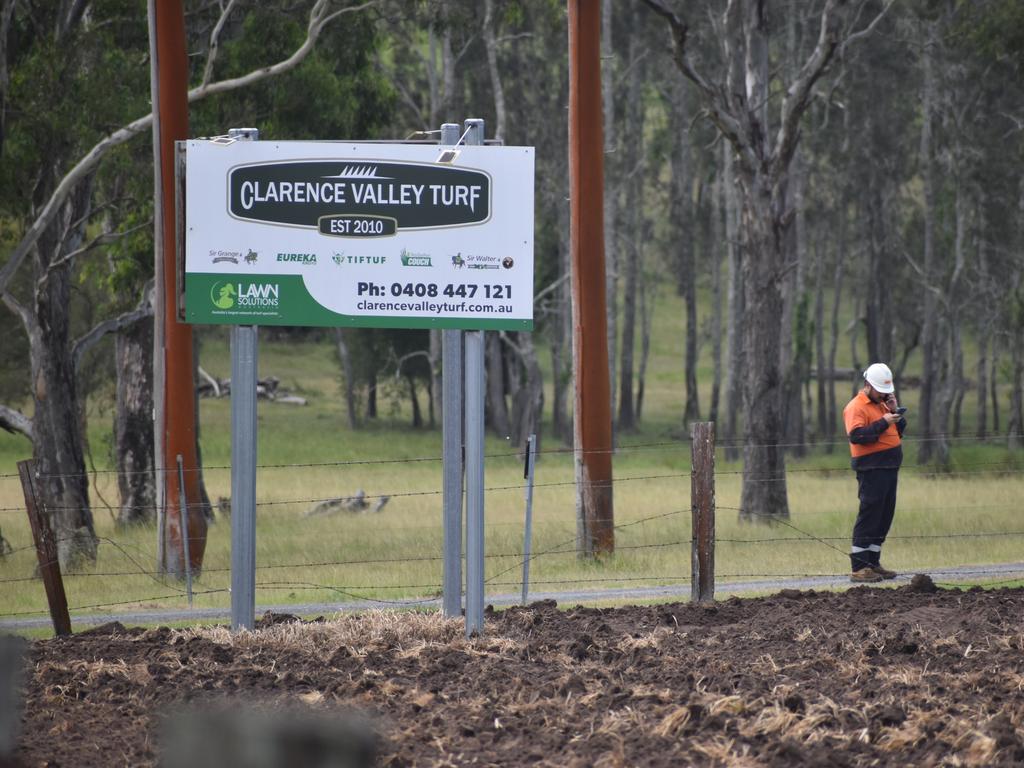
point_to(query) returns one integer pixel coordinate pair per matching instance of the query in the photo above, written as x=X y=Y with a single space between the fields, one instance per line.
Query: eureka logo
x=242 y=296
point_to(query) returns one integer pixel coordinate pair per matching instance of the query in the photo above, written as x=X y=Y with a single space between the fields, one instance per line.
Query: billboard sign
x=372 y=235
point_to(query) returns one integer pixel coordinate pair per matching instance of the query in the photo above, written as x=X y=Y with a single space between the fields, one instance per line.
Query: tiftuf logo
x=341 y=259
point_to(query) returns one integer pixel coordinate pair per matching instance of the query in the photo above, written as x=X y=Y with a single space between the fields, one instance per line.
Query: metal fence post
x=702 y=504
x=451 y=421
x=531 y=460
x=474 y=455
x=244 y=353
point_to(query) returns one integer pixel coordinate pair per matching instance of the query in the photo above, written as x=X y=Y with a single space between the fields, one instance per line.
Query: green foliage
x=993 y=29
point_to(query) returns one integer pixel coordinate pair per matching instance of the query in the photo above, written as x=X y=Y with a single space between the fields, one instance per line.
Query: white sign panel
x=345 y=234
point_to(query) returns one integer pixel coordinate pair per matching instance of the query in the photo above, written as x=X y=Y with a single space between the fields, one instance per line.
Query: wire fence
x=393 y=556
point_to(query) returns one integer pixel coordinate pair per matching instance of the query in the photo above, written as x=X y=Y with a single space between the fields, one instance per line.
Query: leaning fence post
x=702 y=504
x=46 y=552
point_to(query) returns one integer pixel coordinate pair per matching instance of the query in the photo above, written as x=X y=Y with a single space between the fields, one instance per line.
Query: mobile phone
x=901 y=410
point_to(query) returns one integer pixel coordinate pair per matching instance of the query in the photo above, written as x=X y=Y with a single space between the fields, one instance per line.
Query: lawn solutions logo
x=410 y=259
x=241 y=297
x=368 y=195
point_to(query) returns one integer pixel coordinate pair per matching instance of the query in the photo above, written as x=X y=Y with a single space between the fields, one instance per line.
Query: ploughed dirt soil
x=868 y=677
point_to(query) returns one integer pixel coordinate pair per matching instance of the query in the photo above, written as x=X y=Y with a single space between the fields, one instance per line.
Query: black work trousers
x=876 y=489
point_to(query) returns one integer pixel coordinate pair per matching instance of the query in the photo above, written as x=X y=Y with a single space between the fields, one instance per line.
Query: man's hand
x=891 y=418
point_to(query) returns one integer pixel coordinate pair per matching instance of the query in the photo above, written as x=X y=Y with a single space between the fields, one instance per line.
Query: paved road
x=969 y=573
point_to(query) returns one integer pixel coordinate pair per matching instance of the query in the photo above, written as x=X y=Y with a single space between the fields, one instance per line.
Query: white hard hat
x=879 y=377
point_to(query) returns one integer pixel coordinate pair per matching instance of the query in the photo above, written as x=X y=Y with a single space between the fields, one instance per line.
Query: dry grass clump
x=402 y=631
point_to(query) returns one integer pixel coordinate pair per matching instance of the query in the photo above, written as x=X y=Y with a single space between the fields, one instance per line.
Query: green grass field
x=969 y=516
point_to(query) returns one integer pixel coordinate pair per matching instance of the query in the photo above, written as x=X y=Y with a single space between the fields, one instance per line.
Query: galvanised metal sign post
x=380 y=235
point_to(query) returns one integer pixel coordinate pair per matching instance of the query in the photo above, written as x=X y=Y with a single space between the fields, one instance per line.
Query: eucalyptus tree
x=70 y=77
x=739 y=98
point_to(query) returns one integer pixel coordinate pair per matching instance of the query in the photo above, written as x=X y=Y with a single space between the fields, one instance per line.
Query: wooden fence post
x=46 y=552
x=702 y=505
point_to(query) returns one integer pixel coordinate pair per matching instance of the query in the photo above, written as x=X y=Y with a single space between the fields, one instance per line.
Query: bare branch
x=714 y=101
x=104 y=239
x=797 y=97
x=15 y=422
x=868 y=29
x=211 y=57
x=113 y=324
x=19 y=309
x=544 y=291
x=317 y=21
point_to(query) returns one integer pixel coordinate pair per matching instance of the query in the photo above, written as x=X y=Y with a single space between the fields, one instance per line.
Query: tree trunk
x=56 y=428
x=734 y=321
x=646 y=320
x=715 y=251
x=794 y=349
x=133 y=424
x=613 y=171
x=1015 y=419
x=823 y=372
x=528 y=400
x=928 y=330
x=348 y=371
x=764 y=474
x=436 y=388
x=491 y=46
x=632 y=237
x=993 y=383
x=417 y=414
x=837 y=293
x=371 y=394
x=681 y=215
x=561 y=335
x=878 y=313
x=497 y=407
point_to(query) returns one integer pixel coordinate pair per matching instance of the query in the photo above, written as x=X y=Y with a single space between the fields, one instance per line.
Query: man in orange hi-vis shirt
x=874 y=423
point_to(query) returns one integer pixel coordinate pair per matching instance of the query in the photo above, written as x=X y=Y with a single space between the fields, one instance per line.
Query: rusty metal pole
x=592 y=415
x=46 y=552
x=175 y=425
x=702 y=506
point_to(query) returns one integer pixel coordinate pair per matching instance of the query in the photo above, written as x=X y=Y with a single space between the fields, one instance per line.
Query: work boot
x=885 y=573
x=866 y=576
